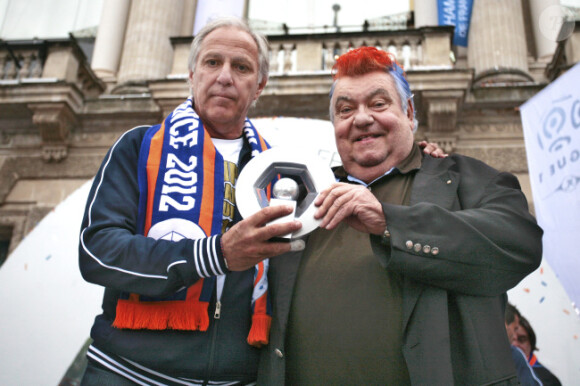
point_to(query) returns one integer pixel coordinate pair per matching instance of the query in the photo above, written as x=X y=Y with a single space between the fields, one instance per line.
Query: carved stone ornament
x=54 y=122
x=442 y=109
x=447 y=143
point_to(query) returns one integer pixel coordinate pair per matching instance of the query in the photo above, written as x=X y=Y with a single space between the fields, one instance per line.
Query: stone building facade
x=60 y=111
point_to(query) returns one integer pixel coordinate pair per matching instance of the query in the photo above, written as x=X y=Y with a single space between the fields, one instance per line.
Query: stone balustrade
x=25 y=63
x=415 y=49
x=45 y=61
x=317 y=52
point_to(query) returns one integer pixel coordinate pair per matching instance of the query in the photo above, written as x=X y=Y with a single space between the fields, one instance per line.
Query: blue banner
x=458 y=14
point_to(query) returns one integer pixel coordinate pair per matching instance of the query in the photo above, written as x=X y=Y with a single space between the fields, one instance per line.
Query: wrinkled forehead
x=229 y=39
x=363 y=86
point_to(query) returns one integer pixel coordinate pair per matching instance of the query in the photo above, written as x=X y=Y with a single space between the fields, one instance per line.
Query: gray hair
x=230 y=21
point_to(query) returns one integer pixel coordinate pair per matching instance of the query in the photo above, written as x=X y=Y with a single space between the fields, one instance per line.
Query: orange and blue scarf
x=181 y=176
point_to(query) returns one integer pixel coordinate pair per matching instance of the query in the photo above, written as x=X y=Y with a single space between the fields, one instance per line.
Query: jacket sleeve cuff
x=220 y=254
x=208 y=257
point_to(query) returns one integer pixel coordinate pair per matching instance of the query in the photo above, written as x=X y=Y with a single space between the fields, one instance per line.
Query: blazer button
x=278 y=353
x=417 y=247
x=409 y=244
x=426 y=248
x=435 y=251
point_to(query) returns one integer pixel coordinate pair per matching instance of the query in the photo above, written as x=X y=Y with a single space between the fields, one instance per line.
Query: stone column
x=546 y=23
x=426 y=13
x=147 y=52
x=497 y=43
x=188 y=17
x=110 y=36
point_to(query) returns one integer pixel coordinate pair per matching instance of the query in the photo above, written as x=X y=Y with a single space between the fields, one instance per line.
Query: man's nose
x=225 y=76
x=363 y=118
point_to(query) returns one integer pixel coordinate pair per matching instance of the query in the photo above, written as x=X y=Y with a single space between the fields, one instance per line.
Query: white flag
x=551 y=122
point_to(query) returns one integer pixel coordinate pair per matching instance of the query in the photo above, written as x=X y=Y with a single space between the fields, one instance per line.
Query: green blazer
x=482 y=240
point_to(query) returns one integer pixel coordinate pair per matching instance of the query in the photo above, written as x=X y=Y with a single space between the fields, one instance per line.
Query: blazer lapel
x=436 y=183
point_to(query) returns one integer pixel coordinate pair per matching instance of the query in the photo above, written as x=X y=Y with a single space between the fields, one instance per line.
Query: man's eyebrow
x=379 y=91
x=372 y=94
x=219 y=55
x=242 y=59
x=211 y=54
x=343 y=99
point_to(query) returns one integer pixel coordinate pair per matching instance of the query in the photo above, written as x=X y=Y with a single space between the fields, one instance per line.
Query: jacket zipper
x=216 y=316
x=212 y=347
x=218 y=310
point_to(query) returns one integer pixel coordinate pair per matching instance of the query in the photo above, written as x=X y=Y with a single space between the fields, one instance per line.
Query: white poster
x=210 y=9
x=551 y=123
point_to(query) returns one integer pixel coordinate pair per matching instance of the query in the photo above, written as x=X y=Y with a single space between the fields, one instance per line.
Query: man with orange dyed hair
x=405 y=280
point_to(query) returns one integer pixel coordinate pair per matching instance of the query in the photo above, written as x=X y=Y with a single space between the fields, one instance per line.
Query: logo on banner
x=458 y=14
x=558 y=138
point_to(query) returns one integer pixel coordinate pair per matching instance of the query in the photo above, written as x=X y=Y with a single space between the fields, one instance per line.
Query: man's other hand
x=432 y=149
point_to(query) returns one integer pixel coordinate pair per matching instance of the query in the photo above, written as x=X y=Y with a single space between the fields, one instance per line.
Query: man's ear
x=411 y=113
x=261 y=86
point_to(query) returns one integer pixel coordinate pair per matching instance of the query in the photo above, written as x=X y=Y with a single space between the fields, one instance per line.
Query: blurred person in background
x=525 y=340
x=526 y=375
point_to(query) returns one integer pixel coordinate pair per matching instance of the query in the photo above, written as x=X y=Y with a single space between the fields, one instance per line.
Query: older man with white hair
x=185 y=277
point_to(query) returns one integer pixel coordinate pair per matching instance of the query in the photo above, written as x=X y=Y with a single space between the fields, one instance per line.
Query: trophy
x=297 y=177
